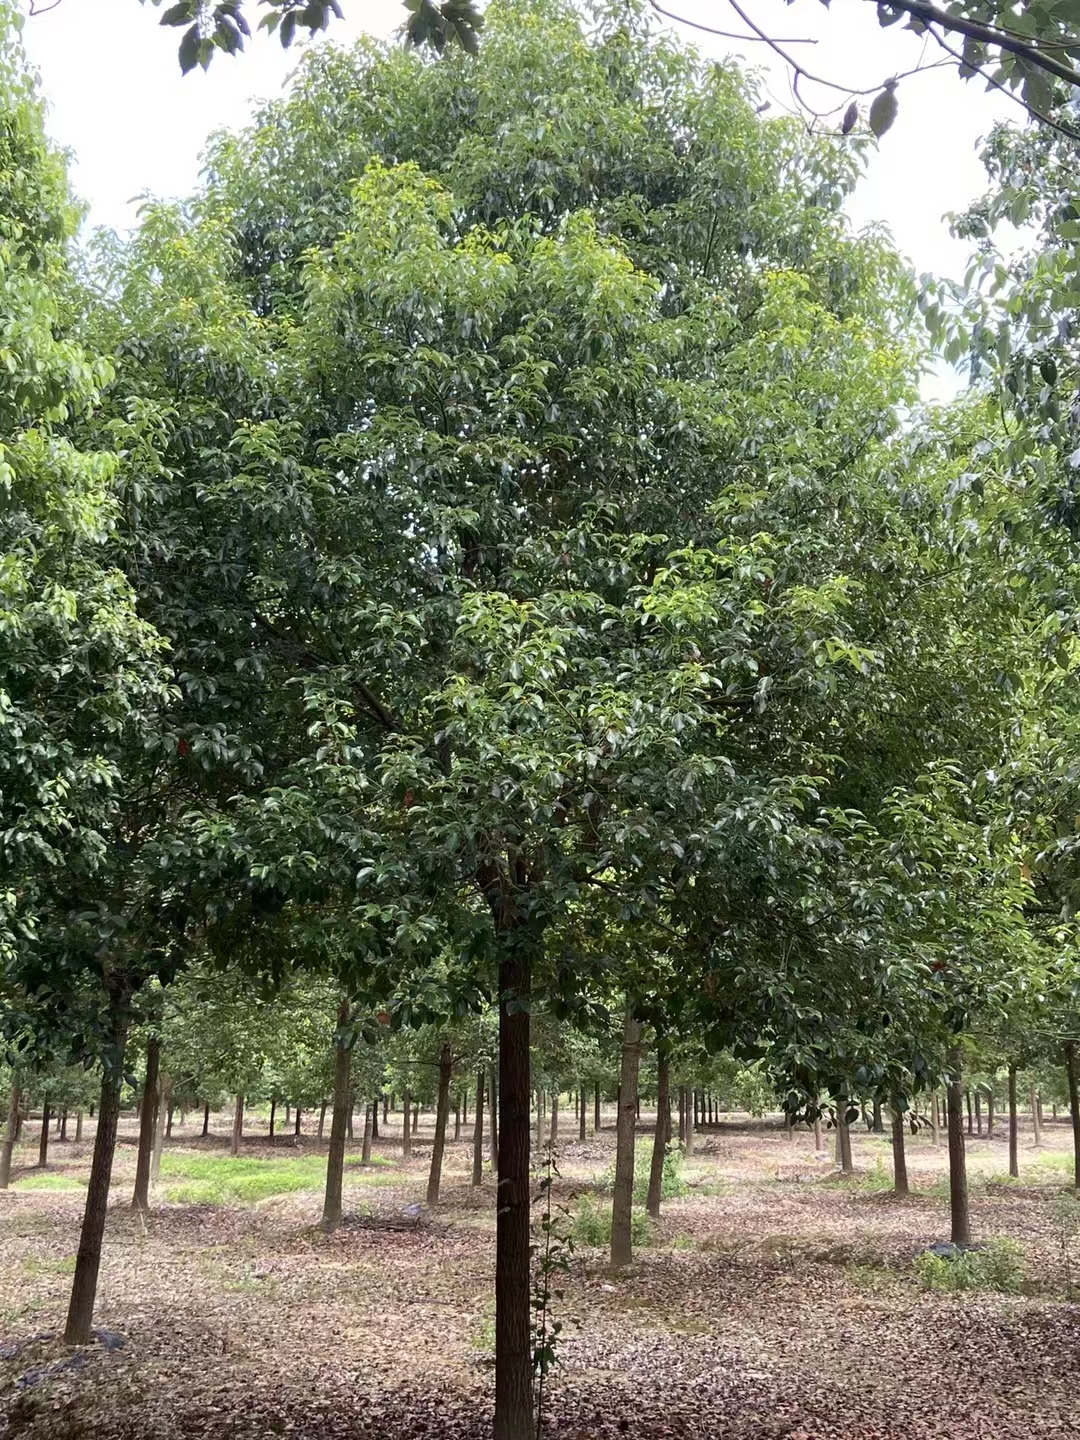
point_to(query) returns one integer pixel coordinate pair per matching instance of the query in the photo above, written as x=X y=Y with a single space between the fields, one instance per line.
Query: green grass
x=592 y=1225
x=49 y=1182
x=236 y=1179
x=997 y=1266
x=36 y=1265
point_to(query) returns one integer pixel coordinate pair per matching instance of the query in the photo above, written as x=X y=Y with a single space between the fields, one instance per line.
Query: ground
x=772 y=1300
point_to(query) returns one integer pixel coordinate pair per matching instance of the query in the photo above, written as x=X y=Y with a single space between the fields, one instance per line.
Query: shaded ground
x=771 y=1302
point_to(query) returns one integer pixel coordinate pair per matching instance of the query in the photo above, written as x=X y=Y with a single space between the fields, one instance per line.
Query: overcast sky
x=117 y=100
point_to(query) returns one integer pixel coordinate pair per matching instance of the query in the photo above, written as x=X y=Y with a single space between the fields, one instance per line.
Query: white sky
x=117 y=100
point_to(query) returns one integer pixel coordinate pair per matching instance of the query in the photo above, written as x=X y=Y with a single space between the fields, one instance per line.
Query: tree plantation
x=539 y=781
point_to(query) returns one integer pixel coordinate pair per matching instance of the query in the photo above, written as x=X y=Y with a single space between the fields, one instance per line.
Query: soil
x=773 y=1300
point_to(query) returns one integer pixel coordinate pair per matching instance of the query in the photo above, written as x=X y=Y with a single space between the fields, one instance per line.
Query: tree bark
x=623 y=1197
x=688 y=1139
x=43 y=1138
x=1074 y=1106
x=478 y=1130
x=78 y=1125
x=237 y=1125
x=978 y=1114
x=662 y=1133
x=140 y=1200
x=817 y=1133
x=970 y=1120
x=493 y=1117
x=322 y=1120
x=1036 y=1116
x=900 y=1175
x=406 y=1131
x=62 y=1131
x=539 y=1123
x=442 y=1118
x=10 y=1133
x=164 y=1107
x=581 y=1118
x=375 y=1115
x=206 y=1120
x=273 y=1114
x=88 y=1260
x=843 y=1137
x=365 y=1151
x=989 y=1113
x=457 y=1118
x=935 y=1120
x=553 y=1133
x=596 y=1108
x=416 y=1117
x=513 y=1310
x=339 y=1124
x=1014 y=1149
x=298 y=1121
x=170 y=1110
x=958 y=1188
x=878 y=1125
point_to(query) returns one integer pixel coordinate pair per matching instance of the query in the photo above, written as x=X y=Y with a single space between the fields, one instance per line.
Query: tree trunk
x=416 y=1117
x=78 y=1125
x=369 y=1116
x=298 y=1121
x=1074 y=1106
x=375 y=1116
x=1014 y=1154
x=273 y=1113
x=442 y=1118
x=688 y=1141
x=1036 y=1117
x=406 y=1132
x=623 y=1197
x=386 y=1109
x=900 y=1176
x=206 y=1120
x=493 y=1116
x=682 y=1115
x=513 y=1267
x=349 y=1116
x=322 y=1120
x=970 y=1120
x=958 y=1188
x=170 y=1110
x=164 y=1107
x=63 y=1123
x=843 y=1137
x=10 y=1133
x=553 y=1134
x=478 y=1130
x=539 y=1123
x=339 y=1124
x=878 y=1125
x=140 y=1200
x=582 y=1134
x=661 y=1135
x=817 y=1134
x=88 y=1260
x=978 y=1114
x=989 y=1114
x=43 y=1138
x=237 y=1125
x=457 y=1118
x=596 y=1108
x=935 y=1120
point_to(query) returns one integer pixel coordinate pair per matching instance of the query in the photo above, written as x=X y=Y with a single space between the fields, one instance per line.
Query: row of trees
x=501 y=562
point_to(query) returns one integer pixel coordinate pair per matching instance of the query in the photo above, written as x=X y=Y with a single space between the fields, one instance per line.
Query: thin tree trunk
x=581 y=1116
x=457 y=1118
x=662 y=1133
x=958 y=1187
x=935 y=1120
x=817 y=1133
x=237 y=1125
x=78 y=1125
x=339 y=1124
x=406 y=1132
x=206 y=1120
x=970 y=1119
x=170 y=1111
x=978 y=1114
x=682 y=1115
x=273 y=1113
x=322 y=1120
x=43 y=1138
x=539 y=1122
x=288 y=1112
x=989 y=1113
x=140 y=1200
x=386 y=1109
x=689 y=1140
x=1014 y=1149
x=442 y=1118
x=493 y=1116
x=416 y=1117
x=63 y=1123
x=1036 y=1117
x=513 y=1268
x=900 y=1175
x=375 y=1116
x=553 y=1134
x=10 y=1133
x=164 y=1105
x=843 y=1137
x=478 y=1130
x=878 y=1125
x=1074 y=1106
x=298 y=1121
x=596 y=1108
x=623 y=1196
x=88 y=1260
x=369 y=1115
x=349 y=1116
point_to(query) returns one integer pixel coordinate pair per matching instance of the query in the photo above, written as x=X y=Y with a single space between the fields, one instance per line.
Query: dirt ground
x=771 y=1301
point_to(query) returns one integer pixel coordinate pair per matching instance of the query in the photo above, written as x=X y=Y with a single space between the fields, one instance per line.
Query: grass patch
x=997 y=1266
x=49 y=1182
x=224 y=1180
x=37 y=1265
x=592 y=1225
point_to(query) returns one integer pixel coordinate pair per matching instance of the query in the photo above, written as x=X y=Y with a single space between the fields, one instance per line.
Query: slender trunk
x=78 y=1125
x=1074 y=1106
x=513 y=1278
x=237 y=1125
x=553 y=1134
x=682 y=1115
x=1036 y=1117
x=539 y=1123
x=288 y=1112
x=375 y=1116
x=493 y=1116
x=369 y=1117
x=581 y=1115
x=935 y=1120
x=989 y=1113
x=206 y=1120
x=43 y=1138
x=478 y=1130
x=349 y=1115
x=596 y=1108
x=140 y=1200
x=339 y=1124
x=878 y=1125
x=10 y=1133
x=416 y=1117
x=63 y=1123
x=958 y=1187
x=978 y=1114
x=843 y=1137
x=406 y=1132
x=1014 y=1155
x=442 y=1117
x=900 y=1177
x=164 y=1104
x=457 y=1118
x=273 y=1114
x=970 y=1120
x=623 y=1196
x=88 y=1260
x=817 y=1133
x=661 y=1135
x=322 y=1120
x=386 y=1110
x=170 y=1111
x=298 y=1121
